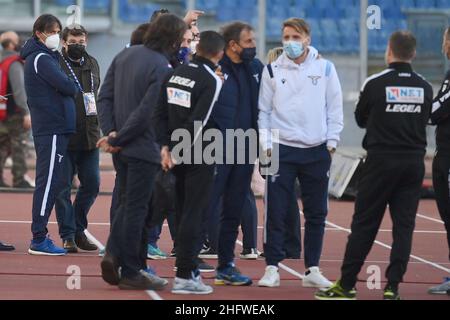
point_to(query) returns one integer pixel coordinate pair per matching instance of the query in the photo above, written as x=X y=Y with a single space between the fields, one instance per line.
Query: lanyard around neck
x=75 y=77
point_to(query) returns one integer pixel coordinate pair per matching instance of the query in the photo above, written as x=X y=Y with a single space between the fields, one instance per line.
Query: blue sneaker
x=46 y=248
x=231 y=276
x=442 y=288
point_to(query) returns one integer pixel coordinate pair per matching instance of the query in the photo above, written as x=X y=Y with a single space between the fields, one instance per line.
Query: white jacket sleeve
x=266 y=93
x=335 y=111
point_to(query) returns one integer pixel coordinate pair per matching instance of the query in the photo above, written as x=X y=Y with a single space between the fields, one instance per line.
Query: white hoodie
x=303 y=102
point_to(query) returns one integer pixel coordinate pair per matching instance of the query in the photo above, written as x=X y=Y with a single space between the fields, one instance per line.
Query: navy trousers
x=131 y=216
x=72 y=217
x=50 y=153
x=311 y=166
x=231 y=183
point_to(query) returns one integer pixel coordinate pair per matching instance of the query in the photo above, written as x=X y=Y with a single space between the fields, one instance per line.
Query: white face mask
x=52 y=42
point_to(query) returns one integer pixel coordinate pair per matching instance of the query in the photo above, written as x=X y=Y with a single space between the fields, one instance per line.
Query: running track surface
x=31 y=277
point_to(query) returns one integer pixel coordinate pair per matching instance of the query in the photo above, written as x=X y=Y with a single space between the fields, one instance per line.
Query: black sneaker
x=173 y=253
x=83 y=243
x=70 y=246
x=209 y=253
x=391 y=293
x=204 y=267
x=249 y=254
x=110 y=269
x=336 y=292
x=6 y=247
x=142 y=282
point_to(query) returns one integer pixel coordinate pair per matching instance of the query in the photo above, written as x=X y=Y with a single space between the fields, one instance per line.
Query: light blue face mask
x=293 y=49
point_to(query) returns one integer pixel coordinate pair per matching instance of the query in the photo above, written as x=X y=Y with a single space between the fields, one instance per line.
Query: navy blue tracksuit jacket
x=51 y=102
x=236 y=108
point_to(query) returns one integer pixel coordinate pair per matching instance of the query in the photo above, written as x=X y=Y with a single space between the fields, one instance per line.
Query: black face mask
x=248 y=54
x=76 y=51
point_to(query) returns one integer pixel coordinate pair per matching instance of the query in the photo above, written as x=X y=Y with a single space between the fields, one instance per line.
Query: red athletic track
x=29 y=277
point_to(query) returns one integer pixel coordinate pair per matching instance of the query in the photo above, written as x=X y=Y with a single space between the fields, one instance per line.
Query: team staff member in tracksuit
x=51 y=101
x=300 y=97
x=187 y=100
x=126 y=102
x=440 y=116
x=394 y=107
x=237 y=108
x=82 y=156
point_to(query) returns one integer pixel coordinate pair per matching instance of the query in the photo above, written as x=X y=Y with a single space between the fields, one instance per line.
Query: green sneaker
x=336 y=292
x=154 y=253
x=391 y=294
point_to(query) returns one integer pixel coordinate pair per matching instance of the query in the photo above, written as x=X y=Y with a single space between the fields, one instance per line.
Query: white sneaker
x=314 y=279
x=249 y=254
x=271 y=278
x=194 y=285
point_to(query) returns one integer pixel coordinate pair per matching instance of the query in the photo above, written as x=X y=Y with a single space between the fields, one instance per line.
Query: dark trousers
x=293 y=239
x=311 y=166
x=131 y=215
x=192 y=189
x=249 y=222
x=115 y=196
x=231 y=184
x=50 y=154
x=163 y=206
x=72 y=218
x=396 y=181
x=441 y=184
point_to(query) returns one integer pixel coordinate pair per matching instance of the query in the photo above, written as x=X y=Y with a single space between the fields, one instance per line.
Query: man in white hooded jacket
x=301 y=100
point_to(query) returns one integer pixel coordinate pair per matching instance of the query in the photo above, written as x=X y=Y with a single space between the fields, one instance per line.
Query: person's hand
x=332 y=151
x=27 y=122
x=219 y=73
x=112 y=134
x=104 y=145
x=192 y=16
x=166 y=159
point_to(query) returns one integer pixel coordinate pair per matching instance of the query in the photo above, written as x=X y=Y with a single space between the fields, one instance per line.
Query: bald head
x=9 y=40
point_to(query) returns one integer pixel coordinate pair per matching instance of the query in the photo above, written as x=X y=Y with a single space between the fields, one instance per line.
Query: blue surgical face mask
x=293 y=49
x=183 y=55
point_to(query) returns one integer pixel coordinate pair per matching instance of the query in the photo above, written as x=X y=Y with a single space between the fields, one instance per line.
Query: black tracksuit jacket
x=188 y=96
x=394 y=107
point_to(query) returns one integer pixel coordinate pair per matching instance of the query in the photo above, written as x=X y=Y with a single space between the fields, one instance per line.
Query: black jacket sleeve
x=105 y=103
x=441 y=104
x=141 y=118
x=209 y=92
x=160 y=117
x=363 y=107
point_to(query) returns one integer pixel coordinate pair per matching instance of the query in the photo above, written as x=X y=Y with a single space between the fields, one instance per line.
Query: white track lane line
x=431 y=219
x=94 y=240
x=430 y=263
x=104 y=224
x=280 y=265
